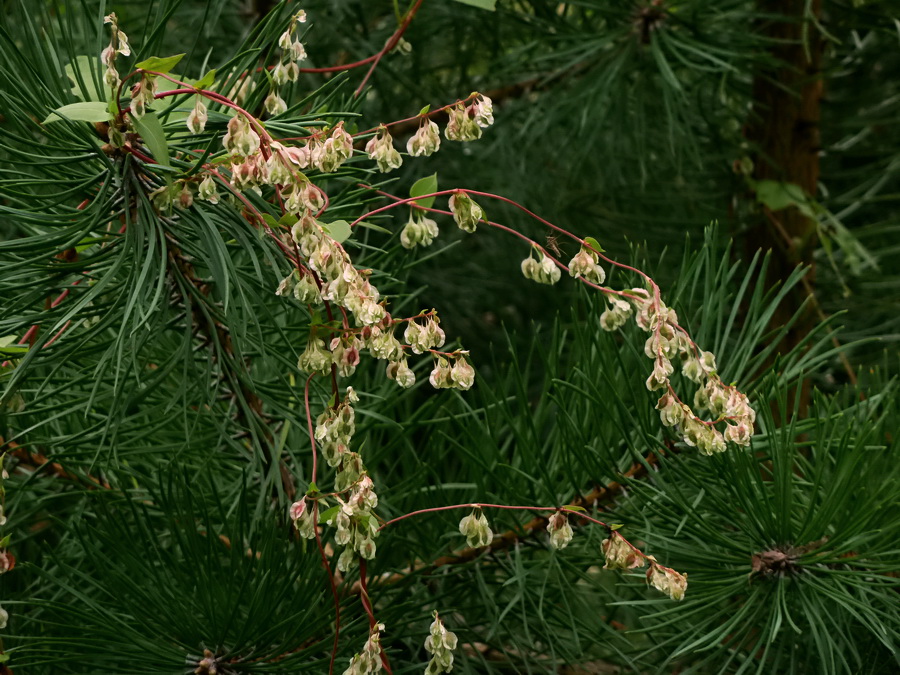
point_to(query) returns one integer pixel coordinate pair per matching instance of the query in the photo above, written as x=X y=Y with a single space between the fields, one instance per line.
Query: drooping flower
x=425 y=141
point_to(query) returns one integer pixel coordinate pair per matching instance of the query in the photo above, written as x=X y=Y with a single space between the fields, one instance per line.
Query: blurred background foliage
x=146 y=499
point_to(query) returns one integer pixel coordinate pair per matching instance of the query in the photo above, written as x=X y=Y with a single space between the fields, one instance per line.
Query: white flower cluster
x=586 y=264
x=467 y=121
x=369 y=661
x=476 y=530
x=543 y=271
x=669 y=341
x=118 y=44
x=287 y=70
x=419 y=231
x=440 y=643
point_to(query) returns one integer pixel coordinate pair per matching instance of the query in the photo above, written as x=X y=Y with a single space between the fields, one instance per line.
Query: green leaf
x=572 y=507
x=80 y=73
x=777 y=195
x=594 y=244
x=339 y=230
x=489 y=5
x=424 y=186
x=270 y=220
x=313 y=489
x=150 y=129
x=325 y=516
x=287 y=220
x=160 y=64
x=425 y=110
x=616 y=526
x=90 y=111
x=370 y=226
x=4 y=543
x=7 y=340
x=206 y=81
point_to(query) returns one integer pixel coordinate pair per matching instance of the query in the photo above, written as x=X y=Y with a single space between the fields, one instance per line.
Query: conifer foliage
x=234 y=441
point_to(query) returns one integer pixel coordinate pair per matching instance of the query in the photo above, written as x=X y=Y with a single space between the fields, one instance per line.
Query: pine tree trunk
x=784 y=128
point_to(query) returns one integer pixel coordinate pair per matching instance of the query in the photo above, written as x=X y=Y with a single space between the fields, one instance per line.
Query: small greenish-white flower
x=482 y=111
x=401 y=373
x=619 y=554
x=560 y=530
x=466 y=212
x=275 y=105
x=543 y=271
x=196 y=121
x=380 y=148
x=461 y=126
x=419 y=231
x=667 y=580
x=440 y=643
x=476 y=530
x=671 y=412
x=440 y=377
x=315 y=358
x=585 y=264
x=207 y=190
x=306 y=290
x=462 y=374
x=426 y=141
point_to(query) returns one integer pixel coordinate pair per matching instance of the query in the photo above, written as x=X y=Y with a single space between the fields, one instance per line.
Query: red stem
x=367 y=605
x=334 y=591
x=309 y=424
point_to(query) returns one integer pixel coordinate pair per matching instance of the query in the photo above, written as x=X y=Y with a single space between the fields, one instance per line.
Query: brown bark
x=784 y=130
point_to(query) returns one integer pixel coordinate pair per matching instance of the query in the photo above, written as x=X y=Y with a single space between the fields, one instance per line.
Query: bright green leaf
x=86 y=89
x=90 y=111
x=206 y=81
x=150 y=129
x=594 y=244
x=424 y=186
x=777 y=195
x=425 y=110
x=160 y=64
x=325 y=516
x=572 y=507
x=615 y=526
x=489 y=5
x=339 y=230
x=313 y=489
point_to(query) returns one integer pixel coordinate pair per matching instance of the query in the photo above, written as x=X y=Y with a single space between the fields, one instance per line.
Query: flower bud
x=185 y=198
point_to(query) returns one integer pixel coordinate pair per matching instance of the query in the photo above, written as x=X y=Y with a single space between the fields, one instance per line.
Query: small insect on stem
x=553 y=244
